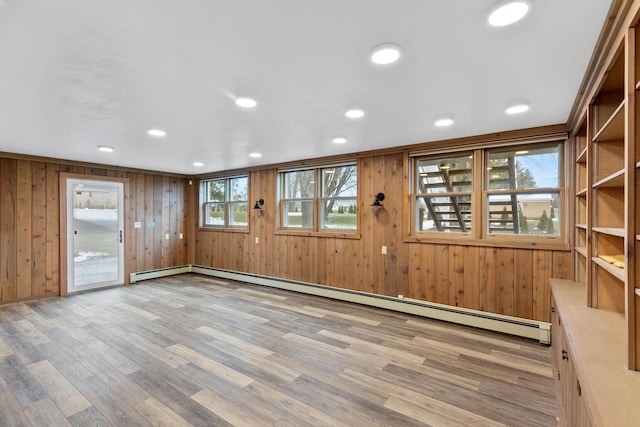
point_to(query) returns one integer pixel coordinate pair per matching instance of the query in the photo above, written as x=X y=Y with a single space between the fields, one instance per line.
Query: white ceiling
x=78 y=73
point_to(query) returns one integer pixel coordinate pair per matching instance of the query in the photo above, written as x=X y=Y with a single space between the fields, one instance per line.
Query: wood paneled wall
x=30 y=224
x=494 y=279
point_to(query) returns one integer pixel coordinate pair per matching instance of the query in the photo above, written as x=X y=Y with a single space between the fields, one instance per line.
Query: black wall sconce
x=377 y=202
x=258 y=204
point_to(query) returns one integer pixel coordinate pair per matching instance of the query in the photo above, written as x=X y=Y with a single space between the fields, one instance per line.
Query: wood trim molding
x=470 y=141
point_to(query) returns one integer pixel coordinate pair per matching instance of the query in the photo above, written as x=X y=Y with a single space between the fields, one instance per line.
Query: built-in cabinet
x=573 y=407
x=587 y=355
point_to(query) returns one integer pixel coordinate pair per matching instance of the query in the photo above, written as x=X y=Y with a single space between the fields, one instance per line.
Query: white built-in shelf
x=582 y=157
x=611 y=231
x=614 y=180
x=616 y=272
x=582 y=226
x=582 y=193
x=613 y=128
x=582 y=250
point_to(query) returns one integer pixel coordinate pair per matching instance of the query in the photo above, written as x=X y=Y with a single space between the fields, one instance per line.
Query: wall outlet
x=257 y=240
x=137 y=224
x=400 y=296
x=166 y=236
x=181 y=236
x=383 y=250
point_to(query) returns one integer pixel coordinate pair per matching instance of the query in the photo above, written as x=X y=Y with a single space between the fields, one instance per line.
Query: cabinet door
x=583 y=417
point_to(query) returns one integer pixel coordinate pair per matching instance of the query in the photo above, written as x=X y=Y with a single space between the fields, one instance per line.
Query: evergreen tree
x=543 y=221
x=524 y=225
x=552 y=214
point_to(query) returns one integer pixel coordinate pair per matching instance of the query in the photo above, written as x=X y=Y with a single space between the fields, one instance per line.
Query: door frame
x=64 y=258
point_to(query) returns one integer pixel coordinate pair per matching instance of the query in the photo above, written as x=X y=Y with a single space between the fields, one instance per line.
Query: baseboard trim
x=533 y=329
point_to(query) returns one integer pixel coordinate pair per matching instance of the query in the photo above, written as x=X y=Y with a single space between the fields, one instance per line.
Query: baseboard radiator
x=532 y=329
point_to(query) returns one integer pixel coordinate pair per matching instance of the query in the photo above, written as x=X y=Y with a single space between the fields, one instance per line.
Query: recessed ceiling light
x=385 y=54
x=157 y=133
x=339 y=140
x=445 y=121
x=105 y=148
x=246 y=102
x=508 y=12
x=255 y=155
x=517 y=109
x=354 y=113
x=198 y=164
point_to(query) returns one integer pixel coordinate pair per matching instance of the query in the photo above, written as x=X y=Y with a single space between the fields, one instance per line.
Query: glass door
x=95 y=228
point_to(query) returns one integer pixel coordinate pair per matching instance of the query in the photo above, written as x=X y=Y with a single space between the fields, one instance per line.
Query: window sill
x=309 y=233
x=515 y=242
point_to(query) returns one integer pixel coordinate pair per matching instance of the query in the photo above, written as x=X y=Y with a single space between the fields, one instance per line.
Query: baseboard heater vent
x=161 y=272
x=532 y=329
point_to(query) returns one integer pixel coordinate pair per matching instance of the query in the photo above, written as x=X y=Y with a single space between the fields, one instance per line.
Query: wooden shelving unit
x=606 y=229
x=596 y=328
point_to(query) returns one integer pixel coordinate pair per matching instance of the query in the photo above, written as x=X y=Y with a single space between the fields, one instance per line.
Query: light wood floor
x=190 y=350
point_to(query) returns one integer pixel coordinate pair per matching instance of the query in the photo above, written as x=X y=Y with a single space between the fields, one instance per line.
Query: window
x=489 y=192
x=319 y=199
x=224 y=202
x=444 y=187
x=523 y=195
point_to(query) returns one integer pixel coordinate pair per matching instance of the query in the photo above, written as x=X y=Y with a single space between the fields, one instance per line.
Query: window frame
x=227 y=204
x=317 y=228
x=541 y=190
x=479 y=234
x=451 y=194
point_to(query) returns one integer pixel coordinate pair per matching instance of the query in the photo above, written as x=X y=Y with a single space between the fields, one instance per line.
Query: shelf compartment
x=611 y=231
x=608 y=159
x=613 y=128
x=582 y=157
x=608 y=203
x=614 y=180
x=616 y=272
x=581 y=250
